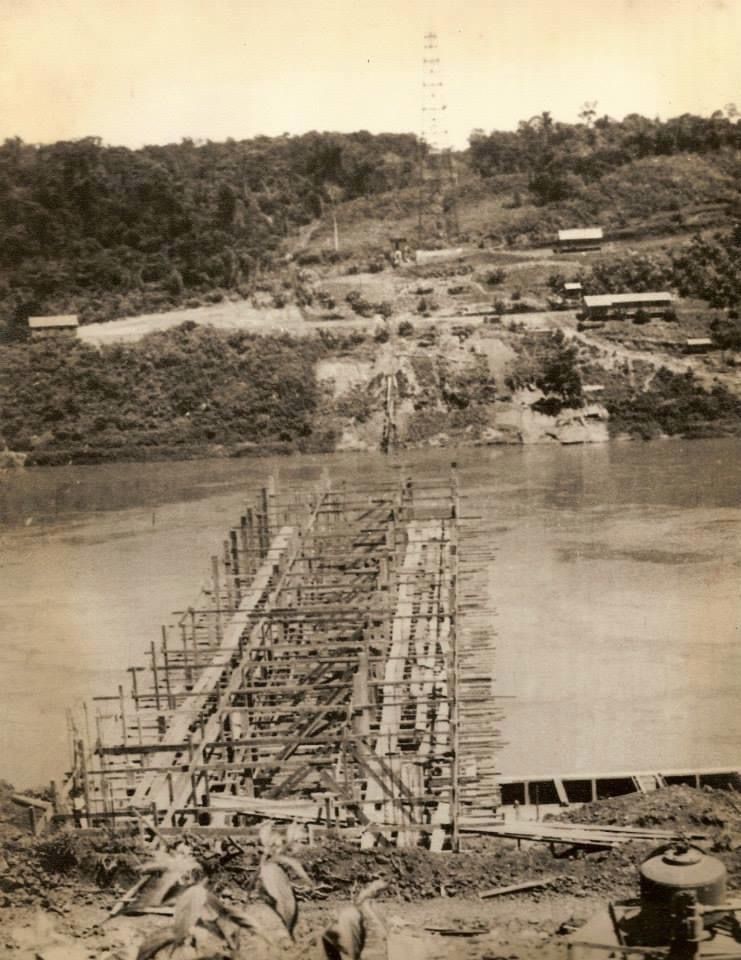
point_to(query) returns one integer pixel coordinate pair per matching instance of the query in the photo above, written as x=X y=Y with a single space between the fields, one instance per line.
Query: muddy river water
x=616 y=583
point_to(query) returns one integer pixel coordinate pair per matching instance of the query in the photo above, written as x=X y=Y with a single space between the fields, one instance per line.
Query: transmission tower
x=438 y=214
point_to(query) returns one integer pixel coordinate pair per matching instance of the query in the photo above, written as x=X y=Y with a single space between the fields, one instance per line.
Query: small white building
x=61 y=325
x=698 y=345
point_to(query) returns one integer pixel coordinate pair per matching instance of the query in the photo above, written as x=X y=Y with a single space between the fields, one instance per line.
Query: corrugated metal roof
x=581 y=233
x=615 y=299
x=572 y=286
x=699 y=342
x=60 y=320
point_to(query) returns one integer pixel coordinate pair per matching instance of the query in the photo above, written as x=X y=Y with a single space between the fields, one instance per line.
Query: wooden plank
x=517 y=887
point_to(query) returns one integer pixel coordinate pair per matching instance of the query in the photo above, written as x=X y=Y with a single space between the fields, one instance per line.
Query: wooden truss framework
x=338 y=670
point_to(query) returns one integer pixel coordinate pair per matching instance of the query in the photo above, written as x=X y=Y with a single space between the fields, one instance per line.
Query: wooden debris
x=517 y=887
x=576 y=834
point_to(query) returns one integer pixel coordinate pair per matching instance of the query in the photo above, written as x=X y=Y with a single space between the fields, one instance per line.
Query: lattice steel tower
x=438 y=214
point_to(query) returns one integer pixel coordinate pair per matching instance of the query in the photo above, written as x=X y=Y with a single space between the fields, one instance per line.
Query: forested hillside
x=170 y=395
x=560 y=159
x=110 y=232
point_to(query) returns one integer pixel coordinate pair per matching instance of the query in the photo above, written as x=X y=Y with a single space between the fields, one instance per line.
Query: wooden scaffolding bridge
x=338 y=671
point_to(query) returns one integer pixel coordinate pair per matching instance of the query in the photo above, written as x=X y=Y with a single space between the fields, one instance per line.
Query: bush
x=361 y=306
x=406 y=329
x=673 y=403
x=726 y=333
x=382 y=335
x=494 y=277
x=356 y=404
x=426 y=305
x=554 y=370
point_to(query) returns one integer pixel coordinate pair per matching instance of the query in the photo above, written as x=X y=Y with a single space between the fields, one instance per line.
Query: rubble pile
x=47 y=871
x=31 y=867
x=672 y=807
x=415 y=874
x=716 y=812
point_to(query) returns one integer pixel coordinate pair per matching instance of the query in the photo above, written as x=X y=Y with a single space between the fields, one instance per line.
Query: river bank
x=575 y=430
x=195 y=391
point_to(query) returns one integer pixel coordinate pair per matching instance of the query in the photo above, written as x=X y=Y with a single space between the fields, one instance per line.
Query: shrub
x=381 y=335
x=426 y=305
x=406 y=329
x=554 y=370
x=359 y=305
x=494 y=277
x=355 y=404
x=726 y=333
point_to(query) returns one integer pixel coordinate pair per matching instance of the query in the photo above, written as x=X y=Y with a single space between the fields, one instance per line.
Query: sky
x=155 y=71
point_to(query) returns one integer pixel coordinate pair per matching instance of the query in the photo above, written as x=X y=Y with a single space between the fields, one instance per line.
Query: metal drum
x=678 y=868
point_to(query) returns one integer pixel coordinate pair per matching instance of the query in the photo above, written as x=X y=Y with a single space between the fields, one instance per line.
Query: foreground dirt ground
x=57 y=892
x=439 y=929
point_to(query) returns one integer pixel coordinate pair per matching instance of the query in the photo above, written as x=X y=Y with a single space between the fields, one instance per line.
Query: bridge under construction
x=337 y=671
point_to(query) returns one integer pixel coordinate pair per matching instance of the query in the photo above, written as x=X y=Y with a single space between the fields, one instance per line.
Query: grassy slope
x=656 y=194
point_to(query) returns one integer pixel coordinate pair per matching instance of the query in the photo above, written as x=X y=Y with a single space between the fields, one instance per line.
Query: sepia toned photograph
x=370 y=479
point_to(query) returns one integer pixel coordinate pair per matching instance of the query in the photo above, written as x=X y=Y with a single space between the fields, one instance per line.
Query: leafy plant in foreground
x=345 y=938
x=201 y=921
x=275 y=885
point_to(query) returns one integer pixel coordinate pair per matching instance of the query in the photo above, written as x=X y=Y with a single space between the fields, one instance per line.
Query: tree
x=588 y=112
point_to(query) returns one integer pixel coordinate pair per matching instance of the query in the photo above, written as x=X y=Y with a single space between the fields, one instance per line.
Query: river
x=616 y=584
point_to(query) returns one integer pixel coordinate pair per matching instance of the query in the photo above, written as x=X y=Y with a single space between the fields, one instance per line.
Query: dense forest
x=110 y=231
x=561 y=158
x=106 y=231
x=169 y=395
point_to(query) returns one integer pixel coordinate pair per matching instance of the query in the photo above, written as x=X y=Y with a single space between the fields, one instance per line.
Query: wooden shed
x=61 y=325
x=581 y=238
x=616 y=306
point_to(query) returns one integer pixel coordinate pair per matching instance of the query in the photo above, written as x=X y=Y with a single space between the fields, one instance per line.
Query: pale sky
x=155 y=71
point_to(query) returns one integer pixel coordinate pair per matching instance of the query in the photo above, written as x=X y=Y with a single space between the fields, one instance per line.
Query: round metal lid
x=683 y=866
